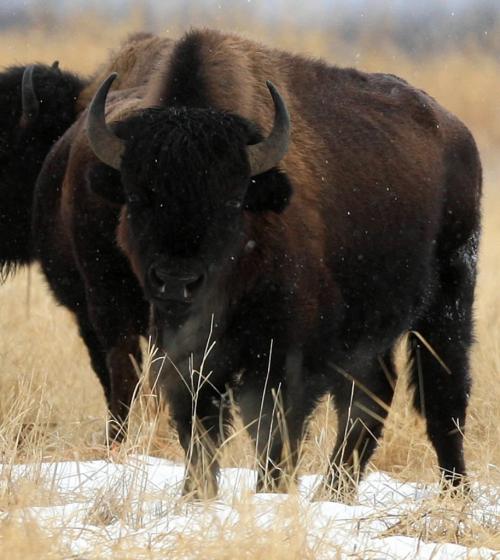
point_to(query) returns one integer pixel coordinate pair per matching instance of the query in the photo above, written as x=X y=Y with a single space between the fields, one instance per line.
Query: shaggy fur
x=134 y=62
x=23 y=147
x=368 y=230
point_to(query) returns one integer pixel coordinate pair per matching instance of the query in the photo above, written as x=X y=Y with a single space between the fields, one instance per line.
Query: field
x=52 y=408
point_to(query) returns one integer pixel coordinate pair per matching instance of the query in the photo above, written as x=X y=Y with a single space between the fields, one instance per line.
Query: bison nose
x=175 y=286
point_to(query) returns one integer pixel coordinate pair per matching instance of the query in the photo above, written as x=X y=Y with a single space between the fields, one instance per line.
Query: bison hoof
x=194 y=491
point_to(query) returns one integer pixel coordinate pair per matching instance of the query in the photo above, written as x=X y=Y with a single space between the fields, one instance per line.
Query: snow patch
x=139 y=503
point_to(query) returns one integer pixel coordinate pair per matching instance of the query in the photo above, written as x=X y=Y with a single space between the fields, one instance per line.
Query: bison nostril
x=156 y=280
x=191 y=287
x=168 y=285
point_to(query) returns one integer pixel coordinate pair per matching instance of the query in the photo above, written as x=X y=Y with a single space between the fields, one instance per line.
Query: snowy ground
x=137 y=505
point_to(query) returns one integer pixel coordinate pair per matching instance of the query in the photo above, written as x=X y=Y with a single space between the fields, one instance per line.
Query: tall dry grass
x=51 y=405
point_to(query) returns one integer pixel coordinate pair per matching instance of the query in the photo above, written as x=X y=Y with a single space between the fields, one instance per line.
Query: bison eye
x=235 y=204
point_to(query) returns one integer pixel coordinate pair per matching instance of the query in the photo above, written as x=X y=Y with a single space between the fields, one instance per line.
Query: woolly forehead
x=185 y=147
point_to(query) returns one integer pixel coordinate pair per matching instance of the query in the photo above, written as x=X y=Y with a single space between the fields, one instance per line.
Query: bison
x=306 y=225
x=37 y=104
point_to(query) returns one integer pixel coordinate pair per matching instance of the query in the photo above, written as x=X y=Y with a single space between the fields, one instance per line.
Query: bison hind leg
x=439 y=347
x=362 y=398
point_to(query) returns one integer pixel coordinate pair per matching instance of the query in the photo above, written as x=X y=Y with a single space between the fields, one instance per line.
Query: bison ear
x=105 y=182
x=269 y=191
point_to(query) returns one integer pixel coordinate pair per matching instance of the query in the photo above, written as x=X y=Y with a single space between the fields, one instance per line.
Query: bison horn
x=103 y=141
x=268 y=153
x=30 y=103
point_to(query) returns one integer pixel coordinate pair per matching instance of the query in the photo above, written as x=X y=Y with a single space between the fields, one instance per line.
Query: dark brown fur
x=25 y=140
x=379 y=238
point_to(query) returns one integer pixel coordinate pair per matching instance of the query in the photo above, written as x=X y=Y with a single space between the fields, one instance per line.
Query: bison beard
x=305 y=294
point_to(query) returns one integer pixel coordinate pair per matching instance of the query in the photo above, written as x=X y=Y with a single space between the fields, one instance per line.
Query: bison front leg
x=120 y=360
x=116 y=372
x=118 y=315
x=202 y=423
x=119 y=339
x=263 y=419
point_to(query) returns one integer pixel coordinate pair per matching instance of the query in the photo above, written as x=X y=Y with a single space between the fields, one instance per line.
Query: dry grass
x=52 y=407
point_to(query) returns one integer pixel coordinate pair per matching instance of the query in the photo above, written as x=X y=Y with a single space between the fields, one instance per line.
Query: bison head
x=189 y=176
